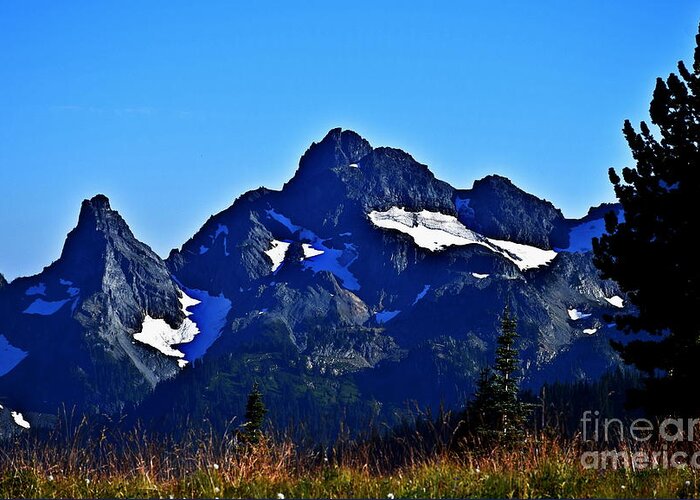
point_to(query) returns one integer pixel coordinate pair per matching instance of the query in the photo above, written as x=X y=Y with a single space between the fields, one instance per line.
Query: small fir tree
x=499 y=414
x=255 y=412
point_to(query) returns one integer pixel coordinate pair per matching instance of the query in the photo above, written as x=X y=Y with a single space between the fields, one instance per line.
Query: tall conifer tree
x=652 y=253
x=497 y=410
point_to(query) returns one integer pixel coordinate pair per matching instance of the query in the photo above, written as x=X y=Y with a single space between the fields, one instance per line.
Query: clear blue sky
x=173 y=109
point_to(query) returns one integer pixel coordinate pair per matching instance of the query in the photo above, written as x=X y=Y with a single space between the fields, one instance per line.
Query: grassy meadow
x=218 y=466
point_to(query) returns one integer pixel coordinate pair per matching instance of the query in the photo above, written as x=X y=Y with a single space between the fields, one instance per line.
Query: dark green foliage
x=496 y=409
x=255 y=412
x=559 y=406
x=651 y=254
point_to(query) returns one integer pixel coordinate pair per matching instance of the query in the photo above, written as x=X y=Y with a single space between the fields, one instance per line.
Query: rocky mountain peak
x=392 y=177
x=98 y=202
x=97 y=214
x=339 y=147
x=99 y=225
x=498 y=208
x=3 y=281
x=495 y=181
x=103 y=256
x=303 y=288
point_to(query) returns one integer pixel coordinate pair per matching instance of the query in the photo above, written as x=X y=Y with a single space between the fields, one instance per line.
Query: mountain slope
x=377 y=280
x=498 y=209
x=77 y=322
x=362 y=284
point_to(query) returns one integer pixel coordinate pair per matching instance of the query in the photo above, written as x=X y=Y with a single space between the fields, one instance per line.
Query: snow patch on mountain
x=203 y=249
x=285 y=221
x=45 y=308
x=385 y=316
x=524 y=256
x=209 y=313
x=576 y=315
x=159 y=334
x=480 y=276
x=590 y=331
x=10 y=356
x=221 y=229
x=422 y=294
x=70 y=289
x=186 y=302
x=436 y=231
x=19 y=420
x=39 y=289
x=616 y=301
x=334 y=260
x=310 y=251
x=581 y=236
x=277 y=253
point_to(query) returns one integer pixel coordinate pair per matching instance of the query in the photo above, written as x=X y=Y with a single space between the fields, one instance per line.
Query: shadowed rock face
x=333 y=314
x=392 y=319
x=102 y=287
x=125 y=275
x=339 y=148
x=3 y=281
x=499 y=209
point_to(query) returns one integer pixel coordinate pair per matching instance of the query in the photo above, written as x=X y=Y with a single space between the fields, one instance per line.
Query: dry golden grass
x=136 y=465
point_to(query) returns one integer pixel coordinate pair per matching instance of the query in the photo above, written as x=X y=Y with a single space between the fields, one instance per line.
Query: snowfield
x=335 y=261
x=70 y=289
x=310 y=251
x=160 y=335
x=576 y=315
x=384 y=316
x=436 y=231
x=39 y=289
x=209 y=313
x=19 y=420
x=616 y=301
x=581 y=236
x=319 y=257
x=422 y=294
x=277 y=253
x=10 y=356
x=43 y=307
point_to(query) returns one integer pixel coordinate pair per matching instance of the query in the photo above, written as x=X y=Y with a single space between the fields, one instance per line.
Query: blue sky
x=173 y=109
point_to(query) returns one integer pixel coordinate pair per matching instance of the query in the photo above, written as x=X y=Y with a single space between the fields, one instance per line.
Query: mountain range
x=363 y=287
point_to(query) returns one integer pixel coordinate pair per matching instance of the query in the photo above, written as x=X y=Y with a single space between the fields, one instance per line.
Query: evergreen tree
x=499 y=414
x=255 y=412
x=651 y=253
